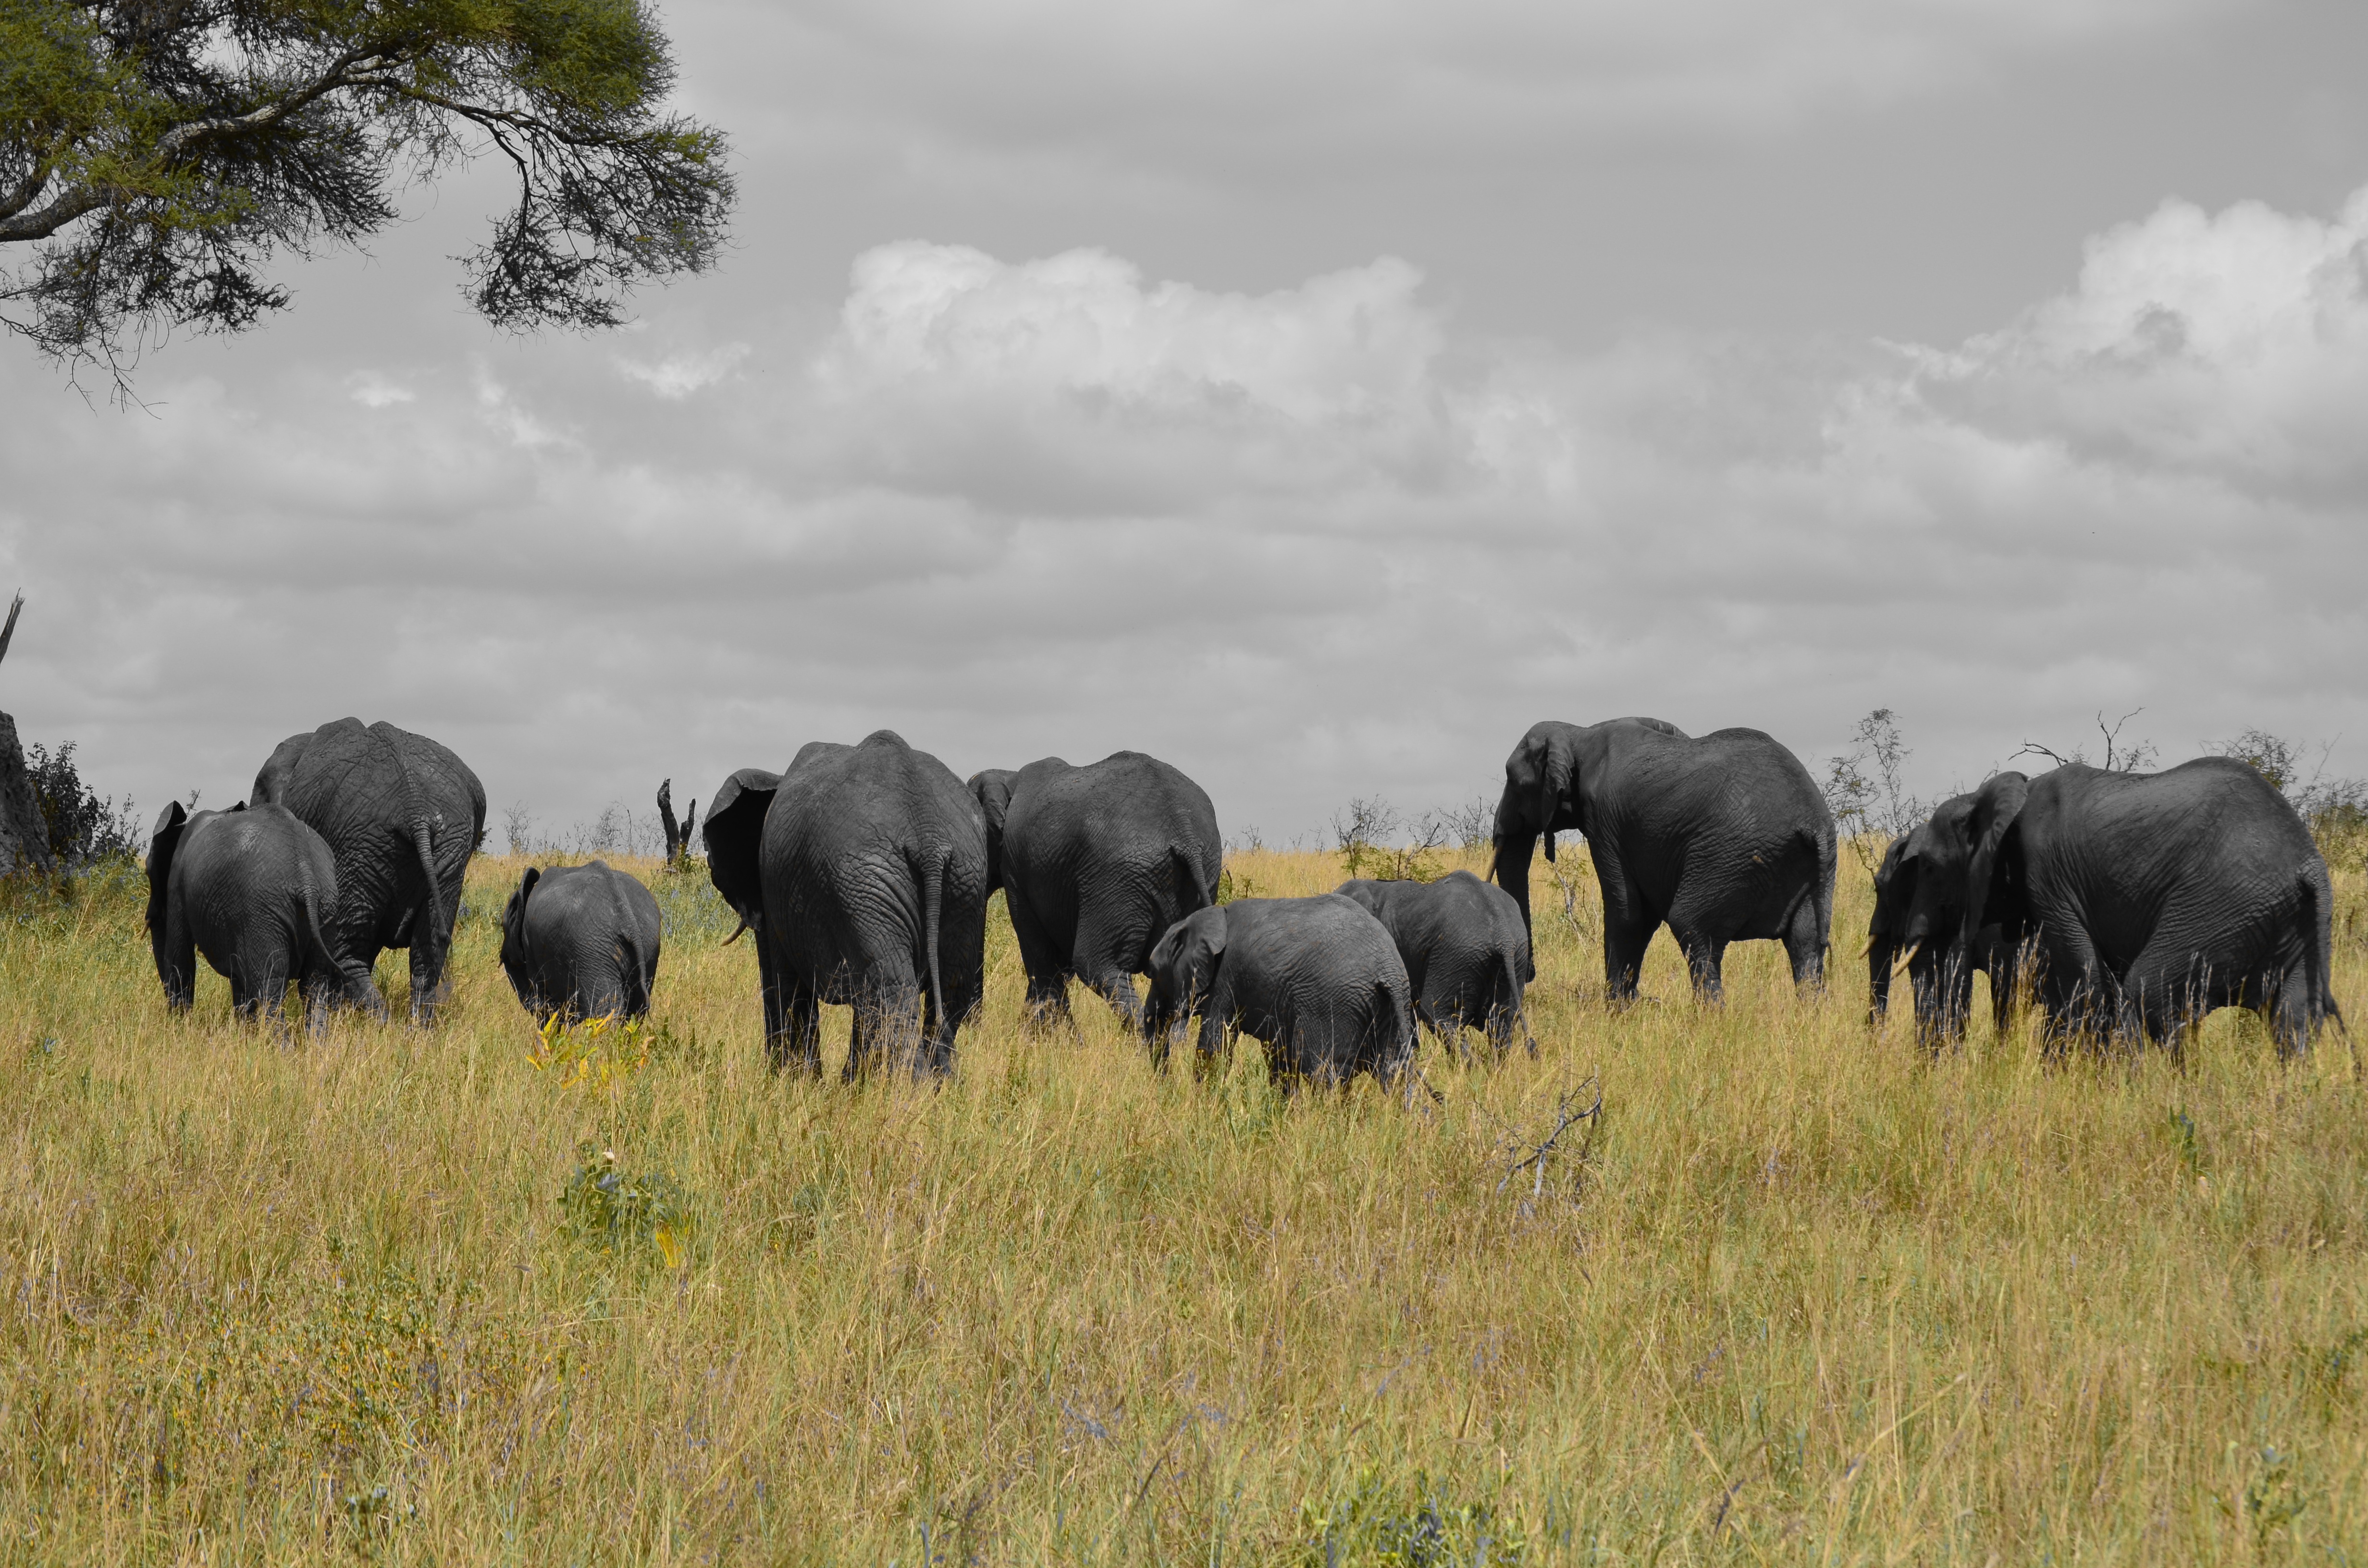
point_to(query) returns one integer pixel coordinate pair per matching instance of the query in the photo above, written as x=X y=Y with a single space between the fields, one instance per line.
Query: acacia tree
x=154 y=154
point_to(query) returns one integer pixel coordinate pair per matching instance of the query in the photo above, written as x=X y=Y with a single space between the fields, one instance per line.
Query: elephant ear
x=1995 y=809
x=1190 y=953
x=1557 y=772
x=514 y=917
x=271 y=782
x=162 y=847
x=992 y=789
x=735 y=824
x=1895 y=888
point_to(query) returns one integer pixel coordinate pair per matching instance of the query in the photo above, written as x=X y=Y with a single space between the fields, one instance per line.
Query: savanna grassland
x=1796 y=1293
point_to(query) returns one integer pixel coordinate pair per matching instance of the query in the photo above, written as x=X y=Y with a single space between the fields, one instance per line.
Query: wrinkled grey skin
x=2148 y=898
x=401 y=815
x=1940 y=966
x=1317 y=979
x=1465 y=950
x=581 y=941
x=1725 y=838
x=862 y=873
x=1096 y=863
x=247 y=888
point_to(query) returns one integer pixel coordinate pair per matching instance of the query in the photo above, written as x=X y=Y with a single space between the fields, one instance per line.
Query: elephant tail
x=1193 y=891
x=318 y=955
x=2318 y=941
x=632 y=965
x=933 y=902
x=1829 y=855
x=632 y=977
x=1509 y=1010
x=438 y=939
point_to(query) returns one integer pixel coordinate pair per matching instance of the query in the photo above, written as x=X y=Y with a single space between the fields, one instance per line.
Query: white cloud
x=1072 y=383
x=679 y=375
x=372 y=390
x=2234 y=342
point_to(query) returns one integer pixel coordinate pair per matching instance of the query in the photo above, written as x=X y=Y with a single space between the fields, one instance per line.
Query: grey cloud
x=1307 y=543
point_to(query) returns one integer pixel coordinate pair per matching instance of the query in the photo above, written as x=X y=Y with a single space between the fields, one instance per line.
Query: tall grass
x=1797 y=1293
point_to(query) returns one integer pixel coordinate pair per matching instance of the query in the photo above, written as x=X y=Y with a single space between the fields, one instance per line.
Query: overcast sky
x=1313 y=394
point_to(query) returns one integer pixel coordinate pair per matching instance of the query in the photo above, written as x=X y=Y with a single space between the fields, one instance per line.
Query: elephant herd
x=2125 y=903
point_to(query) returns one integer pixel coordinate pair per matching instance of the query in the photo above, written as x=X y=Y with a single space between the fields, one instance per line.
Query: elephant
x=581 y=942
x=1465 y=950
x=1317 y=979
x=401 y=815
x=862 y=873
x=2147 y=899
x=1096 y=863
x=247 y=888
x=1725 y=838
x=1940 y=968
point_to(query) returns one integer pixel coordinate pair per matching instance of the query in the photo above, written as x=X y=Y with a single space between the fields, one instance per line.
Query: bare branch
x=9 y=630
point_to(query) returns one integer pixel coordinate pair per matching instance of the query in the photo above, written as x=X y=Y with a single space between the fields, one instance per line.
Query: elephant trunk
x=1512 y=870
x=1882 y=957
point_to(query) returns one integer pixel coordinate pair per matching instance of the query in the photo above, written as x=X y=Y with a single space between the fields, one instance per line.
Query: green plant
x=619 y=1215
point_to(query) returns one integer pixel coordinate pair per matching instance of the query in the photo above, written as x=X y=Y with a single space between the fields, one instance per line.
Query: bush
x=83 y=825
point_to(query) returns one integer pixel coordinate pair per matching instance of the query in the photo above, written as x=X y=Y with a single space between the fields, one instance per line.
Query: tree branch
x=39 y=225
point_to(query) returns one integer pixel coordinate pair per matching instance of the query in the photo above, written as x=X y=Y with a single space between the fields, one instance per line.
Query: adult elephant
x=2148 y=899
x=1723 y=838
x=862 y=873
x=1096 y=863
x=401 y=815
x=1942 y=962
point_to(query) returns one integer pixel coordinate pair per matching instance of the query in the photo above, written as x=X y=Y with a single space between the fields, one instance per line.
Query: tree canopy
x=154 y=154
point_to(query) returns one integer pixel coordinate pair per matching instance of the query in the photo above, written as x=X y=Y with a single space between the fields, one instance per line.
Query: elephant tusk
x=735 y=934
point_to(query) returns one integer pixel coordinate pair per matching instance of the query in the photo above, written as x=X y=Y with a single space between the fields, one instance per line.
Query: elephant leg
x=1117 y=987
x=801 y=1032
x=320 y=995
x=2292 y=1010
x=259 y=986
x=358 y=972
x=177 y=959
x=1705 y=957
x=1625 y=938
x=884 y=1024
x=1048 y=970
x=793 y=1015
x=1805 y=945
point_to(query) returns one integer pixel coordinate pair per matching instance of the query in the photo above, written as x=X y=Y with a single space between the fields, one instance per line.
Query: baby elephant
x=1317 y=979
x=246 y=888
x=1466 y=951
x=581 y=941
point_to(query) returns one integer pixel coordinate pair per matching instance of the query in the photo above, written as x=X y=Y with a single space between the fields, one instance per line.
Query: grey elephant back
x=248 y=890
x=1097 y=862
x=2154 y=898
x=582 y=940
x=401 y=815
x=1465 y=950
x=1320 y=980
x=1722 y=837
x=873 y=868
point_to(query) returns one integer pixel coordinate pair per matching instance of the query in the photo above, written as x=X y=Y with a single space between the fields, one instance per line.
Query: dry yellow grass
x=1805 y=1296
